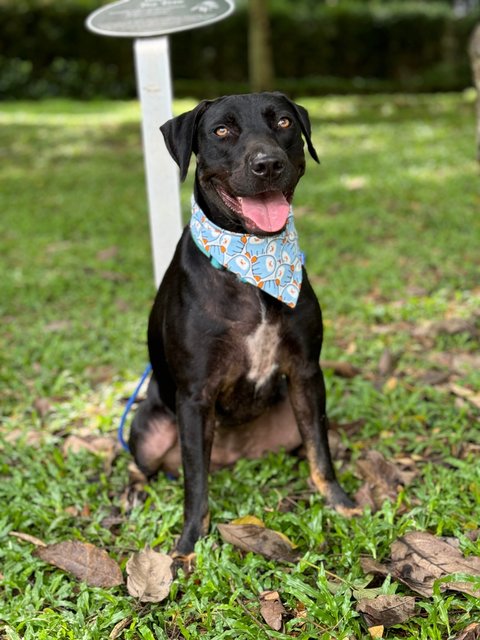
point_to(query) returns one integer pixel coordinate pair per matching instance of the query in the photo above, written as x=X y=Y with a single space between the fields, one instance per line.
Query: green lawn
x=390 y=225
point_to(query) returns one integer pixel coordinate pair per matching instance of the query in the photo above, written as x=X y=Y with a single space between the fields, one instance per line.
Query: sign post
x=149 y=22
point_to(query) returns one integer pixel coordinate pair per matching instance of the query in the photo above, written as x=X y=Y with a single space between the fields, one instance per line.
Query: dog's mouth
x=267 y=212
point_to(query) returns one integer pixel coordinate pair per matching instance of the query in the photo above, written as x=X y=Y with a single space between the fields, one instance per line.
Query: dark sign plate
x=145 y=18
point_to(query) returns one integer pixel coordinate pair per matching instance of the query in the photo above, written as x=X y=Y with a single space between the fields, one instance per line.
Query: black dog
x=235 y=366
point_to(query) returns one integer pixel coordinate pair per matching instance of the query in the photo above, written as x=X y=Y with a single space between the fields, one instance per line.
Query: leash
x=129 y=405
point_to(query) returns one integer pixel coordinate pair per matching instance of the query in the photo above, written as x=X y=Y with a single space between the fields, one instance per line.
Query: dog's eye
x=221 y=131
x=284 y=123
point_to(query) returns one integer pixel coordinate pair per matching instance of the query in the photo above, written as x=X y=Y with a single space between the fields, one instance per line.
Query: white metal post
x=155 y=92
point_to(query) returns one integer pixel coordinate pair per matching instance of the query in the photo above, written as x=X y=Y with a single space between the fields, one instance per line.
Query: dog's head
x=250 y=157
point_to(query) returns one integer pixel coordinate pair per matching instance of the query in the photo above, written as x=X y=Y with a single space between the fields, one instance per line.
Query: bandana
x=272 y=263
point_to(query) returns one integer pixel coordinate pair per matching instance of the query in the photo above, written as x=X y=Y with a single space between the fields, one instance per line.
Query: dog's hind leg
x=153 y=432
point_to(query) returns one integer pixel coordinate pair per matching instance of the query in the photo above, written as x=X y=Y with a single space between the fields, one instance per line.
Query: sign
x=147 y=18
x=150 y=22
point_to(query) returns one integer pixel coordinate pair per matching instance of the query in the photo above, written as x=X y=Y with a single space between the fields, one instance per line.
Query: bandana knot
x=271 y=263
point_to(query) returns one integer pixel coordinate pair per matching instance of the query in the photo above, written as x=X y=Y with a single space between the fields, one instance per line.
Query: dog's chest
x=262 y=351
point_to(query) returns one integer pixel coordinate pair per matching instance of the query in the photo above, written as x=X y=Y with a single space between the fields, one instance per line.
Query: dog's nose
x=266 y=165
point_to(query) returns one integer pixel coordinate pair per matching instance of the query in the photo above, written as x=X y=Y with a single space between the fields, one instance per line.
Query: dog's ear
x=180 y=133
x=306 y=127
x=304 y=120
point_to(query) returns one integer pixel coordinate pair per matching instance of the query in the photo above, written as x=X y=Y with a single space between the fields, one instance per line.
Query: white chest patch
x=262 y=351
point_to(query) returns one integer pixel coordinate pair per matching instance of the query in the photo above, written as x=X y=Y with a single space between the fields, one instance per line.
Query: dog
x=235 y=332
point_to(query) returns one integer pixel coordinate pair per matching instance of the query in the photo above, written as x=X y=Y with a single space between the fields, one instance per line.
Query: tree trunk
x=260 y=57
x=474 y=50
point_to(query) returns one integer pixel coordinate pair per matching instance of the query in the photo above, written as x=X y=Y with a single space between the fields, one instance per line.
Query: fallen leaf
x=107 y=254
x=419 y=558
x=99 y=445
x=449 y=326
x=300 y=611
x=369 y=565
x=101 y=375
x=339 y=368
x=391 y=384
x=57 y=325
x=376 y=632
x=259 y=539
x=386 y=610
x=105 y=446
x=272 y=609
x=26 y=537
x=383 y=479
x=354 y=183
x=42 y=406
x=118 y=628
x=149 y=575
x=388 y=363
x=249 y=520
x=85 y=561
x=472 y=632
x=466 y=393
x=32 y=437
x=434 y=377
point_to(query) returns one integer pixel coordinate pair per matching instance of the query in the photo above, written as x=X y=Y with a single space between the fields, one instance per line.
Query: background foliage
x=45 y=50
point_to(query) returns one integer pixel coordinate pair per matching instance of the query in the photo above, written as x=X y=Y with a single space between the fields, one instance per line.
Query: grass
x=390 y=226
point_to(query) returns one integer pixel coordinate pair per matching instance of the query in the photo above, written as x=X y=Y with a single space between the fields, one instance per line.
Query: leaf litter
x=419 y=558
x=272 y=609
x=83 y=560
x=386 y=610
x=250 y=534
x=382 y=479
x=149 y=575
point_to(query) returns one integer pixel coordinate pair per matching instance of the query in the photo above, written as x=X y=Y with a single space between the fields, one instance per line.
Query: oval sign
x=147 y=18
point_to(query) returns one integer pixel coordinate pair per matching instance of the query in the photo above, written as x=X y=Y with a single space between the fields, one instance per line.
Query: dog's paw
x=339 y=500
x=349 y=512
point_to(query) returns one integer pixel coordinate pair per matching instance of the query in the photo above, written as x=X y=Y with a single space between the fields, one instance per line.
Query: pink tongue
x=268 y=211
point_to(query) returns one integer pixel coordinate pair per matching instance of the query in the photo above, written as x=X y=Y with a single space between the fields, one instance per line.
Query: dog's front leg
x=307 y=396
x=196 y=426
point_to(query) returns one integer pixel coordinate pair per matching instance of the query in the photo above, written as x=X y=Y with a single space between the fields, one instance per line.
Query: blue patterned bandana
x=272 y=263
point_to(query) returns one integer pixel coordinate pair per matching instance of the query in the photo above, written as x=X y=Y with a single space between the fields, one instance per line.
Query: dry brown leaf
x=465 y=393
x=419 y=558
x=118 y=628
x=383 y=480
x=376 y=632
x=369 y=565
x=107 y=254
x=85 y=561
x=354 y=183
x=42 y=406
x=101 y=445
x=252 y=537
x=149 y=575
x=26 y=537
x=249 y=520
x=340 y=368
x=32 y=437
x=57 y=325
x=386 y=610
x=300 y=611
x=449 y=326
x=272 y=609
x=388 y=363
x=472 y=632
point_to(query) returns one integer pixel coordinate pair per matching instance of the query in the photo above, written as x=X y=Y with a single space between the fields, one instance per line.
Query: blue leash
x=130 y=402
